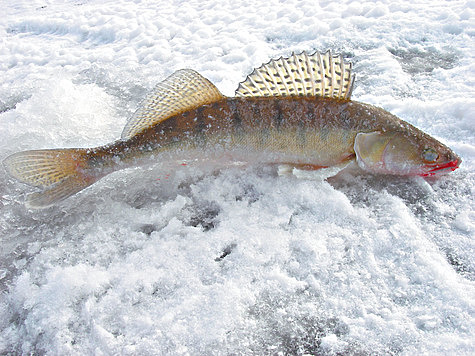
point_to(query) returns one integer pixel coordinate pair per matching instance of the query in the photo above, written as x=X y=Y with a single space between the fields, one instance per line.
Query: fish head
x=399 y=153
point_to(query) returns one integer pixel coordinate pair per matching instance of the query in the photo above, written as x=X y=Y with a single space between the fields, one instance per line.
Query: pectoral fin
x=310 y=171
x=369 y=148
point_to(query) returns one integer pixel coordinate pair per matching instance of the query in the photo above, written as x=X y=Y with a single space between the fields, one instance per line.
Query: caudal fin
x=59 y=172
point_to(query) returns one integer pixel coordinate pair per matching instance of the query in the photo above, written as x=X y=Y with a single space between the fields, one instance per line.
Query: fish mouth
x=438 y=169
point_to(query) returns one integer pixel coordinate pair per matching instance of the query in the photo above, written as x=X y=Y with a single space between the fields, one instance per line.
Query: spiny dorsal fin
x=182 y=91
x=320 y=75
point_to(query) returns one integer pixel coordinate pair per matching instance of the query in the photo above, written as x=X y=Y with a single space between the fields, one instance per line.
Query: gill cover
x=387 y=153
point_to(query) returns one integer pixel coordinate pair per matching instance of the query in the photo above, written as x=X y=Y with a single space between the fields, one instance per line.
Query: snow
x=238 y=260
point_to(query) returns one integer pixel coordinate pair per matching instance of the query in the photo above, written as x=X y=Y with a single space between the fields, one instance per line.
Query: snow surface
x=199 y=261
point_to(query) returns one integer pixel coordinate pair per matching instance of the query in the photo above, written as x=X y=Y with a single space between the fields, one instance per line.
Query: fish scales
x=291 y=111
x=269 y=125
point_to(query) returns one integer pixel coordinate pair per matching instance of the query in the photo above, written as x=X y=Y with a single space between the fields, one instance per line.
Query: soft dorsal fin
x=182 y=91
x=320 y=75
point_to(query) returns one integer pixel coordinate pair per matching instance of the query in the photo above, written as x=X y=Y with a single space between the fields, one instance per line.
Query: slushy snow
x=205 y=260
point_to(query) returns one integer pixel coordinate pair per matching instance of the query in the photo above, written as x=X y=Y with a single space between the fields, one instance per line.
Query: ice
x=201 y=260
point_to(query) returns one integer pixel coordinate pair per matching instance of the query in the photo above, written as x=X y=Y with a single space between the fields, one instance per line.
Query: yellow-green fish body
x=289 y=111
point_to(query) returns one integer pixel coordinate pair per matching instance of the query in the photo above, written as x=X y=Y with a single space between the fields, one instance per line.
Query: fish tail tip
x=60 y=173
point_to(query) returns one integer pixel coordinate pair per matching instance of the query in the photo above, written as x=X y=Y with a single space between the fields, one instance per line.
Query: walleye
x=295 y=110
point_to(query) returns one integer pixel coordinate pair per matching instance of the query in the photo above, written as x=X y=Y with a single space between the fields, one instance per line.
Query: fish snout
x=451 y=164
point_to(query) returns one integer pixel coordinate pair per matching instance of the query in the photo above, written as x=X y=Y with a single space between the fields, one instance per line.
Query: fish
x=293 y=111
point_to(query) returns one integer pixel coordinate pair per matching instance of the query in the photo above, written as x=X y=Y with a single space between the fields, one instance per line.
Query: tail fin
x=59 y=172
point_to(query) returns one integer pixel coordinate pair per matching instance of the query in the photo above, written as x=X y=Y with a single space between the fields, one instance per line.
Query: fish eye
x=430 y=155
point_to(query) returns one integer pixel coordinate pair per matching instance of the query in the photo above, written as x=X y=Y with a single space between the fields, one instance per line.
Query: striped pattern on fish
x=186 y=117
